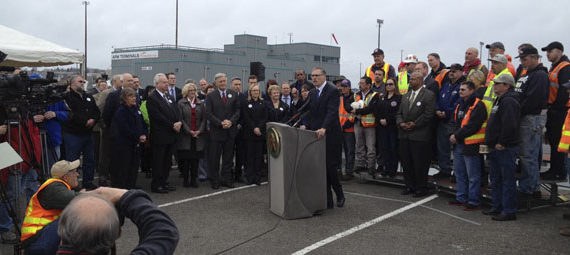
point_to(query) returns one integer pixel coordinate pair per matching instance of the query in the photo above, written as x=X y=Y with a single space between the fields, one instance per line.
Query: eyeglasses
x=390 y=84
x=81 y=81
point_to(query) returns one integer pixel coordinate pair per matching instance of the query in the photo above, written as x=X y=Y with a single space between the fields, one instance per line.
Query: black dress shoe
x=160 y=190
x=340 y=201
x=491 y=212
x=504 y=217
x=215 y=185
x=186 y=184
x=407 y=192
x=228 y=184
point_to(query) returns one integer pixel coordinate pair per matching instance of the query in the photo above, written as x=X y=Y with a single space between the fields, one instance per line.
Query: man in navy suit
x=223 y=112
x=323 y=118
x=174 y=91
x=165 y=123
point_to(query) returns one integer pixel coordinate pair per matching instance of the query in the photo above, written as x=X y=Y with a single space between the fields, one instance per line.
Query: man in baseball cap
x=559 y=74
x=39 y=229
x=378 y=55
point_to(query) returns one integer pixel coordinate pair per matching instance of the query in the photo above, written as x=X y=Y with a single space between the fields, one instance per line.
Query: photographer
x=78 y=127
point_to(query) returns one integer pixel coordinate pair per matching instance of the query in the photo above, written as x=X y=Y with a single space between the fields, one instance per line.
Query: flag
x=334 y=37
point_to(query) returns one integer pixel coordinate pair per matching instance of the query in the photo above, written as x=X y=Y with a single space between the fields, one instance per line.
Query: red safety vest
x=478 y=137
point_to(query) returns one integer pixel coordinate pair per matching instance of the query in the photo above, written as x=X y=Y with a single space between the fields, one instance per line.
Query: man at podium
x=323 y=118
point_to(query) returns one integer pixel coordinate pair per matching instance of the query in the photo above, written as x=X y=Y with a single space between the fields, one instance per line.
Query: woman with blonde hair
x=255 y=117
x=191 y=140
x=278 y=110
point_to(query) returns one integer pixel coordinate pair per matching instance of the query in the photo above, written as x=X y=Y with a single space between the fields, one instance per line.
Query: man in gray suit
x=414 y=123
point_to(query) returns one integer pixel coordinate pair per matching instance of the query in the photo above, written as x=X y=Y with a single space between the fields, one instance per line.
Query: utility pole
x=176 y=33
x=401 y=55
x=290 y=37
x=380 y=22
x=85 y=53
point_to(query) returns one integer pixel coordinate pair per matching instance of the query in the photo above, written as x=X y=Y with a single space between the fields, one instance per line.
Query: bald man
x=472 y=62
x=414 y=123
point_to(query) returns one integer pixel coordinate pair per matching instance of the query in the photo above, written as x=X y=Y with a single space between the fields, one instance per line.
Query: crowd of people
x=457 y=116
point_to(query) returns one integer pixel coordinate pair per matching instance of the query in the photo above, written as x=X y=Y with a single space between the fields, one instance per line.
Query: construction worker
x=499 y=48
x=499 y=66
x=365 y=126
x=347 y=124
x=557 y=107
x=470 y=120
x=39 y=229
x=379 y=63
x=472 y=62
x=563 y=147
x=404 y=75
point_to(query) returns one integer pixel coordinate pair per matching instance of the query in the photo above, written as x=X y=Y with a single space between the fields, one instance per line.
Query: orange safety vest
x=36 y=216
x=367 y=120
x=344 y=116
x=554 y=83
x=565 y=138
x=478 y=137
x=440 y=76
x=370 y=75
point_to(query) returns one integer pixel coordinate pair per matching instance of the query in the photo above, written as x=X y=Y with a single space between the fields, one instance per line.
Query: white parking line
x=209 y=195
x=408 y=202
x=362 y=226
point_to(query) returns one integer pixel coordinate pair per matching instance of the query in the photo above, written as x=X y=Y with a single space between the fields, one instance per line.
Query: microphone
x=301 y=117
x=299 y=111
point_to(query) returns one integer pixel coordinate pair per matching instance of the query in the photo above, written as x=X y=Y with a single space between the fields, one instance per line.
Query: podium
x=297 y=171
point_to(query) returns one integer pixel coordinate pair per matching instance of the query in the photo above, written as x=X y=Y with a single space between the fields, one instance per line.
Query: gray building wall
x=280 y=60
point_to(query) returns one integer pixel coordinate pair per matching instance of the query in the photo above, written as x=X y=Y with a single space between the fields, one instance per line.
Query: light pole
x=176 y=33
x=380 y=22
x=85 y=53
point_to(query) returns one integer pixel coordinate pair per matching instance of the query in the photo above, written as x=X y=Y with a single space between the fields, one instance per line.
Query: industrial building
x=280 y=60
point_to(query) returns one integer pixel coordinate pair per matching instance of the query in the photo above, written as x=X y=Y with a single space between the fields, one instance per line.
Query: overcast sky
x=418 y=27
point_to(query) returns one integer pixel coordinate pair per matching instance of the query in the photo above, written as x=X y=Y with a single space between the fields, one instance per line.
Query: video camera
x=18 y=92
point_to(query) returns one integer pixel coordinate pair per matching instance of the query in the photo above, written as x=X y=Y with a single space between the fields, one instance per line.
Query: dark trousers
x=389 y=148
x=379 y=155
x=254 y=160
x=349 y=147
x=161 y=163
x=554 y=123
x=240 y=149
x=125 y=166
x=415 y=159
x=334 y=161
x=189 y=168
x=146 y=157
x=106 y=153
x=217 y=150
x=47 y=241
x=97 y=147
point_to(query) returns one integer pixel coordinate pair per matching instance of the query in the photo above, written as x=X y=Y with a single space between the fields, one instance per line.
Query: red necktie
x=224 y=97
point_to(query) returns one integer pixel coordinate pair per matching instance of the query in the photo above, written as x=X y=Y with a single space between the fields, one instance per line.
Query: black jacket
x=387 y=108
x=128 y=126
x=280 y=114
x=476 y=120
x=256 y=114
x=503 y=125
x=533 y=89
x=370 y=107
x=111 y=105
x=324 y=113
x=217 y=111
x=563 y=77
x=83 y=108
x=162 y=115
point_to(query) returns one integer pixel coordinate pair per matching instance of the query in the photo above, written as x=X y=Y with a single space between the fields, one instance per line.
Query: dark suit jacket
x=162 y=116
x=324 y=113
x=111 y=105
x=217 y=111
x=421 y=114
x=178 y=92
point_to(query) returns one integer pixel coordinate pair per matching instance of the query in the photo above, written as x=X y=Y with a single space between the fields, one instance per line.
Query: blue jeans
x=28 y=186
x=444 y=130
x=75 y=145
x=47 y=241
x=530 y=133
x=503 y=183
x=467 y=171
x=348 y=145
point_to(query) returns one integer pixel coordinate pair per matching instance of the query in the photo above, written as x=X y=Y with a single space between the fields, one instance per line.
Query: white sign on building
x=135 y=55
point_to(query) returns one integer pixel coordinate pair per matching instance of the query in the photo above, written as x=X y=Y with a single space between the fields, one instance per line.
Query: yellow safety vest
x=489 y=97
x=403 y=84
x=367 y=120
x=565 y=138
x=36 y=216
x=370 y=75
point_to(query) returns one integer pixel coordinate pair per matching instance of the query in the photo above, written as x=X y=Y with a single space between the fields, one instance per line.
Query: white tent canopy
x=26 y=50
